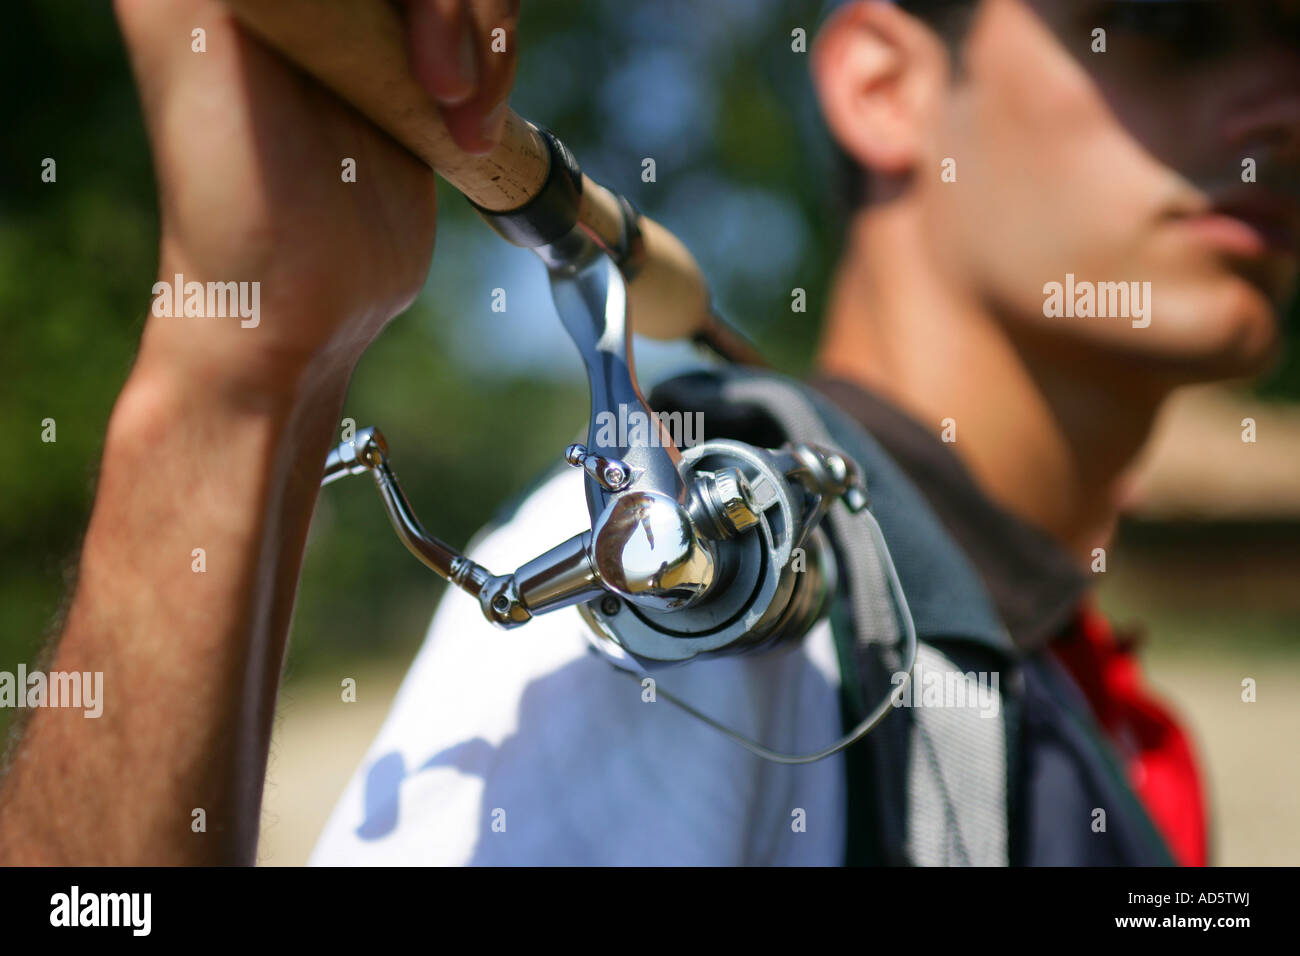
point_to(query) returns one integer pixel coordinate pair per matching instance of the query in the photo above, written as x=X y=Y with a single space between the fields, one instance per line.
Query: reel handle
x=357 y=48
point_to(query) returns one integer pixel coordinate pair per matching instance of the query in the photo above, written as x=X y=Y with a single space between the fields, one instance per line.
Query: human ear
x=879 y=74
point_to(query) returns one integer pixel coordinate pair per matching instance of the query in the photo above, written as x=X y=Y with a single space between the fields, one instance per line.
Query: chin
x=1234 y=334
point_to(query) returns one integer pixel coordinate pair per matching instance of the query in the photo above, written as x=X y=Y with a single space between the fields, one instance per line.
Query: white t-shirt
x=527 y=747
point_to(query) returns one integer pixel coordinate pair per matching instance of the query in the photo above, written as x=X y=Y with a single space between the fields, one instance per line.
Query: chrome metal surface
x=645 y=548
x=591 y=299
x=611 y=473
x=731 y=499
x=346 y=459
x=558 y=578
x=758 y=591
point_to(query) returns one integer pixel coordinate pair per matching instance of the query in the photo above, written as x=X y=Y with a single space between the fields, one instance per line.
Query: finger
x=476 y=125
x=441 y=40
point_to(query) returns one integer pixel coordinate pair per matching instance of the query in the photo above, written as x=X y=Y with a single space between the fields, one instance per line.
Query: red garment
x=1156 y=751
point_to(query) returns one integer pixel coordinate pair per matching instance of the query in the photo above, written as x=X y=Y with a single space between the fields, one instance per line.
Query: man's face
x=1127 y=166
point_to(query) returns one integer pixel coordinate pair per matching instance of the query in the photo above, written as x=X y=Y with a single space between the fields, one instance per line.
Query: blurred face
x=1126 y=166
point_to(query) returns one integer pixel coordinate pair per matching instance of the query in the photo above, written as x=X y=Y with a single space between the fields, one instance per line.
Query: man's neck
x=1049 y=441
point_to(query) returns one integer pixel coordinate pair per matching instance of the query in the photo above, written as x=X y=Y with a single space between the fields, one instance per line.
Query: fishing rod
x=711 y=549
x=357 y=48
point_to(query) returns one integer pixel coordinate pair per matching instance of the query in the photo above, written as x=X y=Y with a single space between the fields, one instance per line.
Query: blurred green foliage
x=713 y=92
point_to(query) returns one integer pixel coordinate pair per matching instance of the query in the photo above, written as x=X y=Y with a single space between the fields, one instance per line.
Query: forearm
x=190 y=658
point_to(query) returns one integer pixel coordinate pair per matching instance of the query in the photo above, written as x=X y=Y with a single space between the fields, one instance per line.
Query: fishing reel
x=691 y=551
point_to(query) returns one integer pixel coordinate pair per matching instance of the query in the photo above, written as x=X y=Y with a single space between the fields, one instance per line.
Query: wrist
x=173 y=399
x=247 y=341
x=225 y=371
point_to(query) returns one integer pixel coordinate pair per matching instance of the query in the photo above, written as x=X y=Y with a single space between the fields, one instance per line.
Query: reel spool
x=771 y=575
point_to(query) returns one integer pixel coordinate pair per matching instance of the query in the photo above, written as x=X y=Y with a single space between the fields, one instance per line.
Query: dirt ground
x=1250 y=751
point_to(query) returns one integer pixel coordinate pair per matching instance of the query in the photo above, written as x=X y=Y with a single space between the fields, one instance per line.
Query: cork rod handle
x=357 y=48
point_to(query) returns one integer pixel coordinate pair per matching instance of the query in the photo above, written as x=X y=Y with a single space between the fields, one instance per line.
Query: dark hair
x=951 y=20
